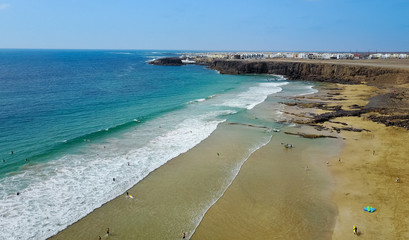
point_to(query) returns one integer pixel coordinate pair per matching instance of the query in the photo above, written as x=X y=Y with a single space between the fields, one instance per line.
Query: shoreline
x=344 y=174
x=164 y=201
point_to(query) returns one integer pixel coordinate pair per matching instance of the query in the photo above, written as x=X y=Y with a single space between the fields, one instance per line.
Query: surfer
x=12 y=152
x=113 y=179
x=355 y=230
x=127 y=194
x=4 y=160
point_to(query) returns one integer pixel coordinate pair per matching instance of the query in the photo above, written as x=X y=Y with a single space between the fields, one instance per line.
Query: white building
x=326 y=56
x=301 y=56
x=403 y=56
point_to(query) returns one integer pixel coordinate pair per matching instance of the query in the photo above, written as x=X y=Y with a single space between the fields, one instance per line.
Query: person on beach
x=397 y=180
x=355 y=230
x=218 y=154
x=184 y=235
x=108 y=231
x=99 y=238
x=127 y=193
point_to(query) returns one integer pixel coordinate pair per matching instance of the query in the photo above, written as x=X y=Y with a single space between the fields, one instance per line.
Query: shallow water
x=80 y=117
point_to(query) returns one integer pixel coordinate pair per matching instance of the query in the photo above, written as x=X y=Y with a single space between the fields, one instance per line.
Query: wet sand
x=173 y=198
x=274 y=196
x=364 y=174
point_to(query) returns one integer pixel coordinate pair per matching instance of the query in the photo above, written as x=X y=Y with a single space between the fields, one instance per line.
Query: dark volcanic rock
x=313 y=71
x=349 y=129
x=340 y=113
x=396 y=120
x=170 y=61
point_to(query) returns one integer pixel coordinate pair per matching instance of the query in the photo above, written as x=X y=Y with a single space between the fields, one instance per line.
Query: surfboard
x=130 y=196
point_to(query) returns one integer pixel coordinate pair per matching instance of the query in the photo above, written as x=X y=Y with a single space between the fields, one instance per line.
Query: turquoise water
x=51 y=97
x=81 y=117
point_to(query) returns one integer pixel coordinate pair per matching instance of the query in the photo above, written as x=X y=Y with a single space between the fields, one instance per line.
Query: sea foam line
x=58 y=193
x=254 y=95
x=233 y=177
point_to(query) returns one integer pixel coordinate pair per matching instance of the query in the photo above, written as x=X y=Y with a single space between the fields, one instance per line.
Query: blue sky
x=309 y=25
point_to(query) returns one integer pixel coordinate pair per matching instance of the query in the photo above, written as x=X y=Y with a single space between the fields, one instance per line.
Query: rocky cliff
x=316 y=71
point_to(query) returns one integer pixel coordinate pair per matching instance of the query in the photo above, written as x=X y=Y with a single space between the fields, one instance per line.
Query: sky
x=220 y=25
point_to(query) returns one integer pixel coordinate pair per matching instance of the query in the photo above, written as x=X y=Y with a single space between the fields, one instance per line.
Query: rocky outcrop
x=315 y=71
x=395 y=120
x=309 y=135
x=340 y=113
x=169 y=61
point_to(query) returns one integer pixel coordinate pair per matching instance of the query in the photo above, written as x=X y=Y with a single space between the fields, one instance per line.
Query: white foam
x=55 y=194
x=255 y=95
x=197 y=100
x=229 y=181
x=309 y=90
x=278 y=77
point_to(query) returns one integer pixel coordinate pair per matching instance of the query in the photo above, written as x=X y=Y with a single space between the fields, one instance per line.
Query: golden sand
x=364 y=174
x=275 y=195
x=370 y=164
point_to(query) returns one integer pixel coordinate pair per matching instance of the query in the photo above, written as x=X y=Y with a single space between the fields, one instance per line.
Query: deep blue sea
x=70 y=120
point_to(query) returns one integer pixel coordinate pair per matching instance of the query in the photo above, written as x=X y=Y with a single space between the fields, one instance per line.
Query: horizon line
x=201 y=50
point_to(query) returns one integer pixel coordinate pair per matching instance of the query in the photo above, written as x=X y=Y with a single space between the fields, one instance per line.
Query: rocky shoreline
x=390 y=106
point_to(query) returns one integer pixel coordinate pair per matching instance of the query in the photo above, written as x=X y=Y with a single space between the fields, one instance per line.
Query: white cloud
x=4 y=6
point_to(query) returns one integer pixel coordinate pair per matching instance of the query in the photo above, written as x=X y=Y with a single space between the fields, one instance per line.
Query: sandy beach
x=316 y=190
x=364 y=174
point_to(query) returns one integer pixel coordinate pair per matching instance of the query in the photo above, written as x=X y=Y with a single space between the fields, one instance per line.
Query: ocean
x=80 y=127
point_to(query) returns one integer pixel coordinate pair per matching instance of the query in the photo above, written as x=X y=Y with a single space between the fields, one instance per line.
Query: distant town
x=294 y=55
